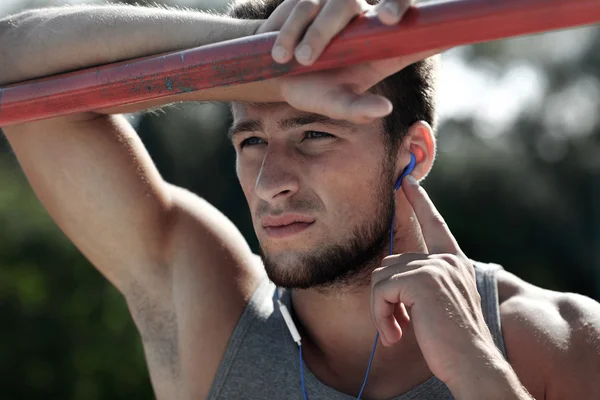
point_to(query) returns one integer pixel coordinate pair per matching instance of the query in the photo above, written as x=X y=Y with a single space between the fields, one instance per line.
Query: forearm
x=49 y=41
x=494 y=380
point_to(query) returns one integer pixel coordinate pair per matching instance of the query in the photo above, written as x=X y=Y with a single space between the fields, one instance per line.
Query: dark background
x=517 y=179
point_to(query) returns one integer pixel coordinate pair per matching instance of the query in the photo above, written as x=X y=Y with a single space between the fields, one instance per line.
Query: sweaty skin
x=187 y=273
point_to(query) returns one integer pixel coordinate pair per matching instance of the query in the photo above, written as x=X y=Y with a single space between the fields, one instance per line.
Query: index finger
x=390 y=12
x=436 y=233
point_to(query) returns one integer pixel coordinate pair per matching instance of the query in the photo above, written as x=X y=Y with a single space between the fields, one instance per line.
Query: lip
x=286 y=225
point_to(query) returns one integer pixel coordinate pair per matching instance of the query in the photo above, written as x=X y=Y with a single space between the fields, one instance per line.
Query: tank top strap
x=487 y=286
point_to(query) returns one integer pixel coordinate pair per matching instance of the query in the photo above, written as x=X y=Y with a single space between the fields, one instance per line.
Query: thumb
x=322 y=94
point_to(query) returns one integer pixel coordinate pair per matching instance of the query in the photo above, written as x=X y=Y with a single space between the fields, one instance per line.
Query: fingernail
x=304 y=52
x=392 y=8
x=411 y=180
x=279 y=53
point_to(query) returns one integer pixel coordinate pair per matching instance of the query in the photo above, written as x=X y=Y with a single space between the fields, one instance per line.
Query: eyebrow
x=308 y=119
x=251 y=125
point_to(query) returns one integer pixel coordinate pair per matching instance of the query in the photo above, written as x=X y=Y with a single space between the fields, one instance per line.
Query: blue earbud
x=409 y=168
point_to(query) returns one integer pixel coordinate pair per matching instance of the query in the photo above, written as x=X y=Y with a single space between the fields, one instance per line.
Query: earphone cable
x=406 y=171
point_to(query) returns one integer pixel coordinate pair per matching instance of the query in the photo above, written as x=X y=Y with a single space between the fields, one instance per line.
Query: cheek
x=348 y=187
x=247 y=174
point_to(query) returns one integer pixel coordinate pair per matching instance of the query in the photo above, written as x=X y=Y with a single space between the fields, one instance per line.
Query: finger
x=278 y=17
x=390 y=12
x=436 y=233
x=362 y=108
x=334 y=16
x=392 y=265
x=403 y=259
x=385 y=322
x=291 y=32
x=402 y=313
x=386 y=296
x=320 y=94
x=348 y=101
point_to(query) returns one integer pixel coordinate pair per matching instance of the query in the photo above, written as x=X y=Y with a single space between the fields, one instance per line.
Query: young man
x=317 y=157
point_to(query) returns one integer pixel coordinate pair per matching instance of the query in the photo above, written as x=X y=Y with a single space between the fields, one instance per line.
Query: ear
x=420 y=141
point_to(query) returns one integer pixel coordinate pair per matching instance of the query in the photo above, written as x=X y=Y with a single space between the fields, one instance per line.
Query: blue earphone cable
x=409 y=168
x=302 y=373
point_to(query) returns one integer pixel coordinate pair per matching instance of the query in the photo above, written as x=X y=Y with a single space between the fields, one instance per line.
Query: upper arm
x=552 y=340
x=97 y=181
x=184 y=268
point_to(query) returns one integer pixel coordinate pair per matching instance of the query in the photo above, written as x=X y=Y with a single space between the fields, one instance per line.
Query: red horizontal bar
x=428 y=26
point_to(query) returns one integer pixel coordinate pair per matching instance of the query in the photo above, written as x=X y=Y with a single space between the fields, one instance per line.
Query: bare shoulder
x=552 y=339
x=209 y=257
x=203 y=237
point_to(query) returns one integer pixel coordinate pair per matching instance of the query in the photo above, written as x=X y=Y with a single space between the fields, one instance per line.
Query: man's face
x=319 y=192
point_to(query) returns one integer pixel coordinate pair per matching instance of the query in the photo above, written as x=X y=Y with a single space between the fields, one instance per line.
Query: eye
x=251 y=141
x=317 y=135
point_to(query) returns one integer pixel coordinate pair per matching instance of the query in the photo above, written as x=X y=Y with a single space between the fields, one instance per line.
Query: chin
x=315 y=270
x=283 y=261
x=327 y=265
x=286 y=269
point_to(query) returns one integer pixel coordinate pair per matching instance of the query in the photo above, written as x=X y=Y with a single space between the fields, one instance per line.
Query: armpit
x=157 y=323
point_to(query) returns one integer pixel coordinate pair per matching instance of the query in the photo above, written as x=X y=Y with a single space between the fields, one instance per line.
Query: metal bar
x=428 y=26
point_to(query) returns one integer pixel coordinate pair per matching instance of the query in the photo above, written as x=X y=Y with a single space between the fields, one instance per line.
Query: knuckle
x=307 y=7
x=288 y=32
x=315 y=34
x=404 y=4
x=438 y=220
x=390 y=260
x=337 y=102
x=430 y=271
x=376 y=288
x=404 y=258
x=377 y=271
x=376 y=275
x=287 y=35
x=432 y=276
x=349 y=4
x=451 y=259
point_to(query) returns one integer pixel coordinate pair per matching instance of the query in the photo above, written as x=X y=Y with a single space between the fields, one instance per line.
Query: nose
x=277 y=179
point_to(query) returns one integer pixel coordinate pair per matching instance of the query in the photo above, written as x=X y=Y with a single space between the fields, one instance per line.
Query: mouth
x=286 y=225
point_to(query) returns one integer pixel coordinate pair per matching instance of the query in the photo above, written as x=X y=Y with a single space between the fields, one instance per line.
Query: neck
x=338 y=335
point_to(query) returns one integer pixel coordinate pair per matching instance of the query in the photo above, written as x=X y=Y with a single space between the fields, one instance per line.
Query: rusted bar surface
x=426 y=27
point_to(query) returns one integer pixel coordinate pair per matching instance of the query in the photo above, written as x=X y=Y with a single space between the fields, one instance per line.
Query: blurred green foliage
x=66 y=333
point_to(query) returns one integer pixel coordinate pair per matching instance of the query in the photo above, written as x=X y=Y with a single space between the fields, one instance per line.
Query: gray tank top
x=261 y=359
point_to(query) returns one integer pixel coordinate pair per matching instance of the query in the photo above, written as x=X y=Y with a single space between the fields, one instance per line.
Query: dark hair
x=411 y=91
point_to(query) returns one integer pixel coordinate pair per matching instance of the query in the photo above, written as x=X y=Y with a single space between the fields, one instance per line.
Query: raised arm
x=44 y=42
x=91 y=171
x=47 y=41
x=97 y=181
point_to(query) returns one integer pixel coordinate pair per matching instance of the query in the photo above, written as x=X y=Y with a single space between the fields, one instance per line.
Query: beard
x=345 y=265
